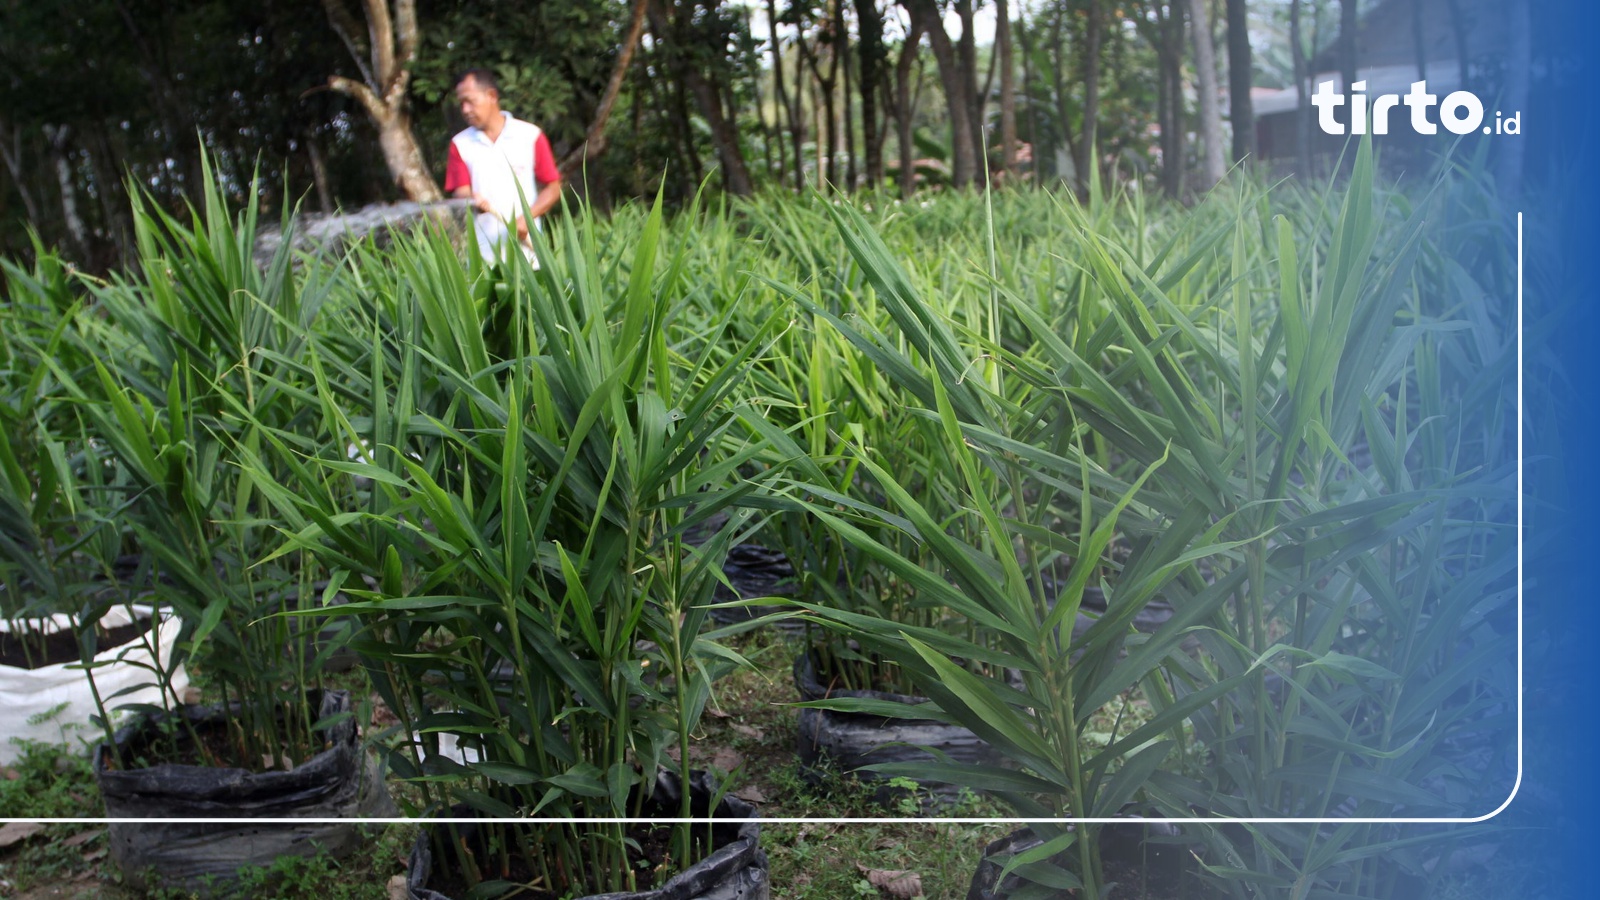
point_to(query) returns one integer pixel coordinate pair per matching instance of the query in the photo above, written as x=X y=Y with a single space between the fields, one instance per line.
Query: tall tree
x=681 y=29
x=1419 y=42
x=1458 y=27
x=1088 y=145
x=594 y=141
x=872 y=55
x=1162 y=25
x=905 y=106
x=967 y=61
x=1008 y=96
x=963 y=151
x=1347 y=41
x=785 y=113
x=1302 y=77
x=1239 y=81
x=384 y=58
x=1205 y=63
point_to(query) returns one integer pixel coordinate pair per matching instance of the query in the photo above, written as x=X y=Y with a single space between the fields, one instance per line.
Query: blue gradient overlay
x=1559 y=796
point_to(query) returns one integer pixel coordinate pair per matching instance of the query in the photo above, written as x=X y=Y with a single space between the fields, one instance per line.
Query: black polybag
x=735 y=870
x=340 y=782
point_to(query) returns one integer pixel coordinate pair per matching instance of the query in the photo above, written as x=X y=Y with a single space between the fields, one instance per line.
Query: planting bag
x=32 y=694
x=754 y=571
x=1146 y=848
x=844 y=742
x=735 y=870
x=342 y=781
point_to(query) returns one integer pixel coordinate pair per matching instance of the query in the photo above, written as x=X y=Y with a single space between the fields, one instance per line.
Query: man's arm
x=549 y=179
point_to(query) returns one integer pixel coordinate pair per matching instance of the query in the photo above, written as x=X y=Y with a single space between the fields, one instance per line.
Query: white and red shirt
x=507 y=170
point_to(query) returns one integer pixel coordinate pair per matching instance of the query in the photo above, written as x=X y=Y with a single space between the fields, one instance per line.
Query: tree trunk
x=1175 y=166
x=113 y=201
x=1025 y=37
x=11 y=155
x=905 y=107
x=951 y=75
x=724 y=133
x=871 y=54
x=967 y=56
x=1008 y=98
x=56 y=137
x=784 y=113
x=594 y=140
x=797 y=121
x=1347 y=43
x=1165 y=33
x=1302 y=110
x=1239 y=79
x=1088 y=146
x=1458 y=27
x=848 y=118
x=319 y=172
x=823 y=92
x=1058 y=80
x=1508 y=165
x=1205 y=64
x=1419 y=41
x=390 y=50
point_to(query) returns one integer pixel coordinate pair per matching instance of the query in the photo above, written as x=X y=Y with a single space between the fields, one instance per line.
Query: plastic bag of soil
x=844 y=742
x=339 y=782
x=754 y=571
x=1145 y=858
x=735 y=870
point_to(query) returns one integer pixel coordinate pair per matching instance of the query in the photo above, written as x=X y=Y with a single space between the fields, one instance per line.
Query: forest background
x=343 y=103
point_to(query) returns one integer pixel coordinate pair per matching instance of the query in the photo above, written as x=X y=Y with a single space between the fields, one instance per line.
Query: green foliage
x=956 y=419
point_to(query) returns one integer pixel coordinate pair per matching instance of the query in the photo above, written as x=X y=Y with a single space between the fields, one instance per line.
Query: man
x=503 y=163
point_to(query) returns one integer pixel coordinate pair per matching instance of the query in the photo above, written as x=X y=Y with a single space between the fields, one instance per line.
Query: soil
x=36 y=652
x=649 y=855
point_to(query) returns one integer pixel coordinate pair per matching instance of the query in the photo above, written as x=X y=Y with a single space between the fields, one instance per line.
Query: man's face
x=478 y=104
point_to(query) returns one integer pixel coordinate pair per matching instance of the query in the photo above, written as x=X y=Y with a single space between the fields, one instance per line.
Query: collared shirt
x=507 y=170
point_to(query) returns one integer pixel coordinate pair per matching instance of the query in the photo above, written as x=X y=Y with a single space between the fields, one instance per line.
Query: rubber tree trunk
x=594 y=140
x=1302 y=110
x=1347 y=42
x=962 y=151
x=967 y=56
x=824 y=79
x=1213 y=165
x=871 y=54
x=1165 y=34
x=1419 y=39
x=11 y=155
x=57 y=137
x=1458 y=27
x=385 y=55
x=905 y=108
x=724 y=134
x=1239 y=78
x=1088 y=147
x=847 y=97
x=1058 y=83
x=1008 y=87
x=797 y=119
x=786 y=115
